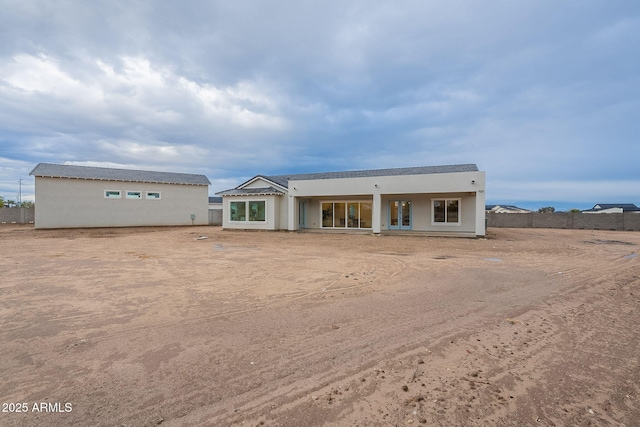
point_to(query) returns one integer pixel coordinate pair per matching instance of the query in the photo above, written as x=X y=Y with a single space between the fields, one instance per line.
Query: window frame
x=106 y=196
x=146 y=195
x=446 y=200
x=264 y=210
x=247 y=211
x=128 y=195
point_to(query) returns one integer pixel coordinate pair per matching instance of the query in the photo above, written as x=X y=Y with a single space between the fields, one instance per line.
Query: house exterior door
x=400 y=215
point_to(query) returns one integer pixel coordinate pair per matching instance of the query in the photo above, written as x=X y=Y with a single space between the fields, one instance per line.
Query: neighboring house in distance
x=613 y=208
x=79 y=196
x=215 y=211
x=439 y=199
x=215 y=202
x=505 y=209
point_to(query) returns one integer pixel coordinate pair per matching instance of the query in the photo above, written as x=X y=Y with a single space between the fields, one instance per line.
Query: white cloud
x=525 y=90
x=135 y=90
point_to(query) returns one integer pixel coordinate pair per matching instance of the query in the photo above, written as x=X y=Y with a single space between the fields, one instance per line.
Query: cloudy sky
x=542 y=95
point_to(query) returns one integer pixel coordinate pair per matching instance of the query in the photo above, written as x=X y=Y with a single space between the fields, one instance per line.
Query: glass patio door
x=400 y=215
x=302 y=214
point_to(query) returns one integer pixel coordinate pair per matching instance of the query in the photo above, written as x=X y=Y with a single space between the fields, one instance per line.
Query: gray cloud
x=540 y=94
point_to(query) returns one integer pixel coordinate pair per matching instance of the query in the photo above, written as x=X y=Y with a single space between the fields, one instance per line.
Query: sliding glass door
x=346 y=214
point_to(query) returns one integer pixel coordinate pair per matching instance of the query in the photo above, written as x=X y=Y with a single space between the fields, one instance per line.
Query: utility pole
x=20 y=194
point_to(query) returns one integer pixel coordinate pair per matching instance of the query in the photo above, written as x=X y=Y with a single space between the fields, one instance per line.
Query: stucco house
x=215 y=203
x=439 y=199
x=69 y=196
x=505 y=209
x=613 y=208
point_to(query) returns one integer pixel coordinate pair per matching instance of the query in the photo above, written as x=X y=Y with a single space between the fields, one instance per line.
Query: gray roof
x=215 y=199
x=108 y=174
x=513 y=207
x=268 y=191
x=283 y=180
x=626 y=207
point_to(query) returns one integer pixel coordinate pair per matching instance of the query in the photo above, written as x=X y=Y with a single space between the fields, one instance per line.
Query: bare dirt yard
x=162 y=326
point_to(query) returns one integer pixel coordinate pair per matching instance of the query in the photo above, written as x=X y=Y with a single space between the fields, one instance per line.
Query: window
x=237 y=210
x=257 y=211
x=254 y=211
x=153 y=195
x=134 y=195
x=446 y=211
x=339 y=212
x=366 y=215
x=346 y=214
x=112 y=194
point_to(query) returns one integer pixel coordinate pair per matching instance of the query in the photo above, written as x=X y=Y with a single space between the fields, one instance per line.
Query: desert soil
x=197 y=326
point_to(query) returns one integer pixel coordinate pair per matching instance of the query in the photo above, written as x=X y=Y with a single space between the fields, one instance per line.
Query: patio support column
x=480 y=214
x=376 y=211
x=291 y=212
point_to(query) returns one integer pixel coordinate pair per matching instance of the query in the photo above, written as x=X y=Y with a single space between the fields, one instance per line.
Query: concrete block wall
x=509 y=220
x=628 y=221
x=607 y=222
x=215 y=216
x=631 y=221
x=550 y=220
x=17 y=215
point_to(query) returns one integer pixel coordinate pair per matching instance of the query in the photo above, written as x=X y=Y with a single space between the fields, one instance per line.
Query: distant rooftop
x=50 y=170
x=626 y=207
x=508 y=207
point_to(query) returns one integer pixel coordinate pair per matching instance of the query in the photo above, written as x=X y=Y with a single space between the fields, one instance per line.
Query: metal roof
x=418 y=170
x=626 y=207
x=283 y=180
x=50 y=170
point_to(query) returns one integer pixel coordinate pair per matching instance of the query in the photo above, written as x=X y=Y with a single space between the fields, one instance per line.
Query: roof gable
x=263 y=191
x=49 y=170
x=260 y=181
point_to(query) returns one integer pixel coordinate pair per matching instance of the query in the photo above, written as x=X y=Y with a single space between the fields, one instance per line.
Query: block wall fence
x=628 y=221
x=17 y=215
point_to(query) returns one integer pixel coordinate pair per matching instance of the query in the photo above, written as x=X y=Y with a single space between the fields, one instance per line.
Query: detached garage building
x=79 y=196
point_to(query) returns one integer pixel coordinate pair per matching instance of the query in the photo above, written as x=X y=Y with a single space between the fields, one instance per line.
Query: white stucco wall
x=283 y=211
x=422 y=210
x=272 y=213
x=71 y=203
x=419 y=189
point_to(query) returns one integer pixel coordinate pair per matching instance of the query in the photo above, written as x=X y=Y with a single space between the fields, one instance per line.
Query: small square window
x=153 y=195
x=134 y=195
x=112 y=194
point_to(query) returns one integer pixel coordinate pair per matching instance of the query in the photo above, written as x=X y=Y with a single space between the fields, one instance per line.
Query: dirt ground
x=196 y=326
